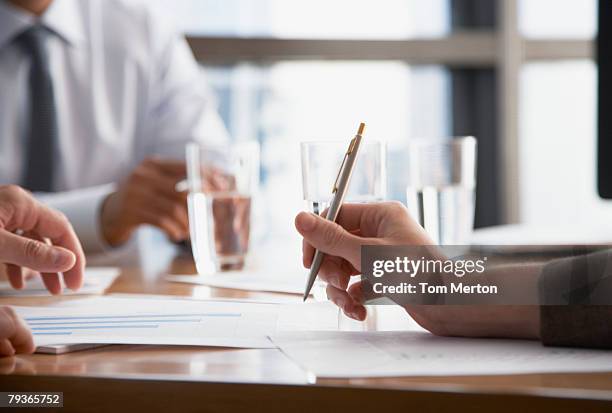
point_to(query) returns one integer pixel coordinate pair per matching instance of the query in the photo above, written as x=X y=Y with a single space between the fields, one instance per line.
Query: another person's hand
x=38 y=238
x=15 y=336
x=147 y=196
x=385 y=223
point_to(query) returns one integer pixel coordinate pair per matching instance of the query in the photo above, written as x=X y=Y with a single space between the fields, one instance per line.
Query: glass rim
x=227 y=145
x=342 y=142
x=450 y=140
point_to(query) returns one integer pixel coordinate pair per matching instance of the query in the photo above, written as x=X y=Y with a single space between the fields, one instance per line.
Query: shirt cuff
x=82 y=208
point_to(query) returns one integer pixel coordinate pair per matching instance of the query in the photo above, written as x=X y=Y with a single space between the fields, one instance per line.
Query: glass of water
x=442 y=187
x=320 y=165
x=321 y=162
x=222 y=181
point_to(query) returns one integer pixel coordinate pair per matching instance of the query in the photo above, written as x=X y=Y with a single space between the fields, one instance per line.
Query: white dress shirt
x=126 y=86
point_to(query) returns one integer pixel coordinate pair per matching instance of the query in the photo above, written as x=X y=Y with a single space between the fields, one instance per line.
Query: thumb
x=33 y=254
x=329 y=237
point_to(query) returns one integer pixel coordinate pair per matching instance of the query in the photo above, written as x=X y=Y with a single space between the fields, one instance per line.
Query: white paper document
x=96 y=280
x=262 y=280
x=173 y=322
x=394 y=353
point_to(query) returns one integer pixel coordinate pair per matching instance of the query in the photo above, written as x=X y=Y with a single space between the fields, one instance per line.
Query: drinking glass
x=441 y=188
x=222 y=180
x=320 y=165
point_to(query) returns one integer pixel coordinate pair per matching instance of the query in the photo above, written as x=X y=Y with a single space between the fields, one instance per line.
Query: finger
x=22 y=340
x=214 y=179
x=354 y=217
x=336 y=271
x=153 y=181
x=9 y=366
x=15 y=330
x=56 y=227
x=359 y=312
x=329 y=237
x=343 y=300
x=167 y=225
x=170 y=167
x=307 y=253
x=355 y=290
x=337 y=296
x=308 y=250
x=20 y=210
x=154 y=208
x=177 y=211
x=27 y=252
x=52 y=282
x=15 y=276
x=29 y=274
x=6 y=348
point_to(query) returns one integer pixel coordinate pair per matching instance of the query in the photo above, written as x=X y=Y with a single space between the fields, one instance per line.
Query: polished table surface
x=222 y=379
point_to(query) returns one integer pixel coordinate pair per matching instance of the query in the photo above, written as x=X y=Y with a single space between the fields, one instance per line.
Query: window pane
x=288 y=102
x=558 y=18
x=365 y=19
x=558 y=144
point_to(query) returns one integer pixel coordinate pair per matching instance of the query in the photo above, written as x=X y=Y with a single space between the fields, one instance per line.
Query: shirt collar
x=12 y=22
x=62 y=17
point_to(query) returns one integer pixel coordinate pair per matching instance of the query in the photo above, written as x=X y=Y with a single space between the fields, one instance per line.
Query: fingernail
x=306 y=222
x=58 y=257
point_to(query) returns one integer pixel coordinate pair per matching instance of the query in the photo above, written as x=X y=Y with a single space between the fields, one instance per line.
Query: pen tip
x=361 y=128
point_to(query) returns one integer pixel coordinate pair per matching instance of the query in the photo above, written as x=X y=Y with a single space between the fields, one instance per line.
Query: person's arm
x=581 y=288
x=180 y=108
x=583 y=285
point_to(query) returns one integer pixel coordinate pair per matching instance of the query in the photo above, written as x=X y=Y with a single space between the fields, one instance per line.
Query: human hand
x=15 y=335
x=390 y=224
x=147 y=196
x=386 y=223
x=21 y=214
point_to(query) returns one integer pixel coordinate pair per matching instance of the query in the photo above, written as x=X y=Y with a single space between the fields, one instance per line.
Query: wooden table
x=157 y=378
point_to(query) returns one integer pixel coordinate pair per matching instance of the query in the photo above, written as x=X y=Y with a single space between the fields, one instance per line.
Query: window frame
x=501 y=48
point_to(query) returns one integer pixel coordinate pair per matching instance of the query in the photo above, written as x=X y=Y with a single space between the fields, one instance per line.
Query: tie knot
x=33 y=39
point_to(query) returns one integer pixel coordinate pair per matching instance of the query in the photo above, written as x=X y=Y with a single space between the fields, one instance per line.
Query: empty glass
x=442 y=187
x=321 y=162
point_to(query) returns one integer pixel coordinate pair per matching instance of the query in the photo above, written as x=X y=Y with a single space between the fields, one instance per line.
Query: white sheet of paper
x=261 y=280
x=173 y=322
x=95 y=281
x=395 y=353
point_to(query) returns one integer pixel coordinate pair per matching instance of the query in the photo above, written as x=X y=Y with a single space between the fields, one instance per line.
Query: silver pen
x=339 y=191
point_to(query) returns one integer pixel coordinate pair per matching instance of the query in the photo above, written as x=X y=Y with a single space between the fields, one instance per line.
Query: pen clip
x=346 y=155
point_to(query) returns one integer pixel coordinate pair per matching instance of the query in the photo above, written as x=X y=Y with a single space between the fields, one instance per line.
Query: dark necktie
x=40 y=146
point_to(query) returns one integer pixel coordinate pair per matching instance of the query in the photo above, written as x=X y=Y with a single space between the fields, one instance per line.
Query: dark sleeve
x=576 y=301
